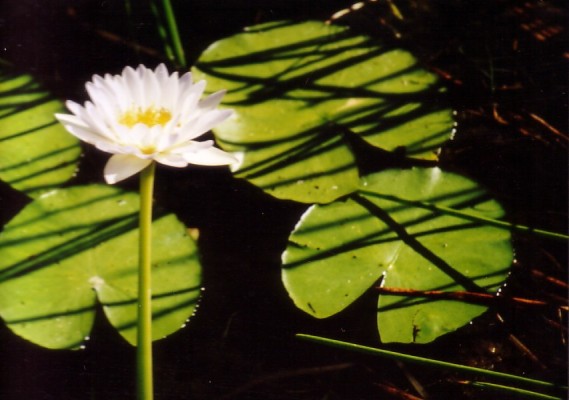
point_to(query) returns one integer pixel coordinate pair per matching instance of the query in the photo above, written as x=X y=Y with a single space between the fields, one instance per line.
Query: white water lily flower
x=143 y=116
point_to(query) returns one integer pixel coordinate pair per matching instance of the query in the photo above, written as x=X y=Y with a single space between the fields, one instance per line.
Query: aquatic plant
x=344 y=125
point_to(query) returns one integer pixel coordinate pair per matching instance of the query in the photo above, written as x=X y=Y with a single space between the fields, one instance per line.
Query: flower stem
x=144 y=331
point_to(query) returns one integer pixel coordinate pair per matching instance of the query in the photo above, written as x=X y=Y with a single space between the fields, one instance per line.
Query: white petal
x=99 y=81
x=169 y=92
x=168 y=136
x=97 y=120
x=74 y=107
x=114 y=148
x=152 y=136
x=211 y=101
x=132 y=82
x=122 y=166
x=204 y=124
x=104 y=99
x=172 y=160
x=120 y=93
x=191 y=147
x=81 y=131
x=71 y=119
x=106 y=111
x=210 y=156
x=150 y=89
x=138 y=135
x=161 y=72
x=187 y=103
x=186 y=79
x=123 y=133
x=184 y=85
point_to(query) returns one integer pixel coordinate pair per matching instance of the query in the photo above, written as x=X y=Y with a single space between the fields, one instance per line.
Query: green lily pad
x=36 y=153
x=388 y=232
x=302 y=91
x=73 y=247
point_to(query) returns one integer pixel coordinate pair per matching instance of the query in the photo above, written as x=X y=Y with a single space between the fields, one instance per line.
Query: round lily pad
x=390 y=233
x=72 y=248
x=301 y=90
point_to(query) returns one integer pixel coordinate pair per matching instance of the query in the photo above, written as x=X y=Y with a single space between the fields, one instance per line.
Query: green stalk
x=144 y=331
x=468 y=216
x=162 y=32
x=427 y=361
x=174 y=33
x=509 y=389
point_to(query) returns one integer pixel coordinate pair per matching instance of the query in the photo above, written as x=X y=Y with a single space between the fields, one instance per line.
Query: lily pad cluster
x=73 y=250
x=306 y=96
x=313 y=102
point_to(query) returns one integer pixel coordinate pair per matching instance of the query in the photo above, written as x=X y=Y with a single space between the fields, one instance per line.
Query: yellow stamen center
x=149 y=117
x=148 y=150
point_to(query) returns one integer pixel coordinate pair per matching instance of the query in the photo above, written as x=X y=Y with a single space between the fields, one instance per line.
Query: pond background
x=505 y=63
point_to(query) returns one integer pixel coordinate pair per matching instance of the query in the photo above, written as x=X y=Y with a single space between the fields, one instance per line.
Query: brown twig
x=394 y=391
x=550 y=279
x=472 y=297
x=446 y=75
x=497 y=117
x=113 y=37
x=522 y=347
x=517 y=120
x=550 y=127
x=555 y=324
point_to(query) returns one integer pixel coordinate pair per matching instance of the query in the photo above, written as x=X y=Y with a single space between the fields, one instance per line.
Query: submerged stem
x=511 y=390
x=162 y=31
x=174 y=33
x=144 y=331
x=430 y=362
x=468 y=216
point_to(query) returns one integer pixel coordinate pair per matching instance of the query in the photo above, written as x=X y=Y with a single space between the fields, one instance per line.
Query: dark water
x=506 y=67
